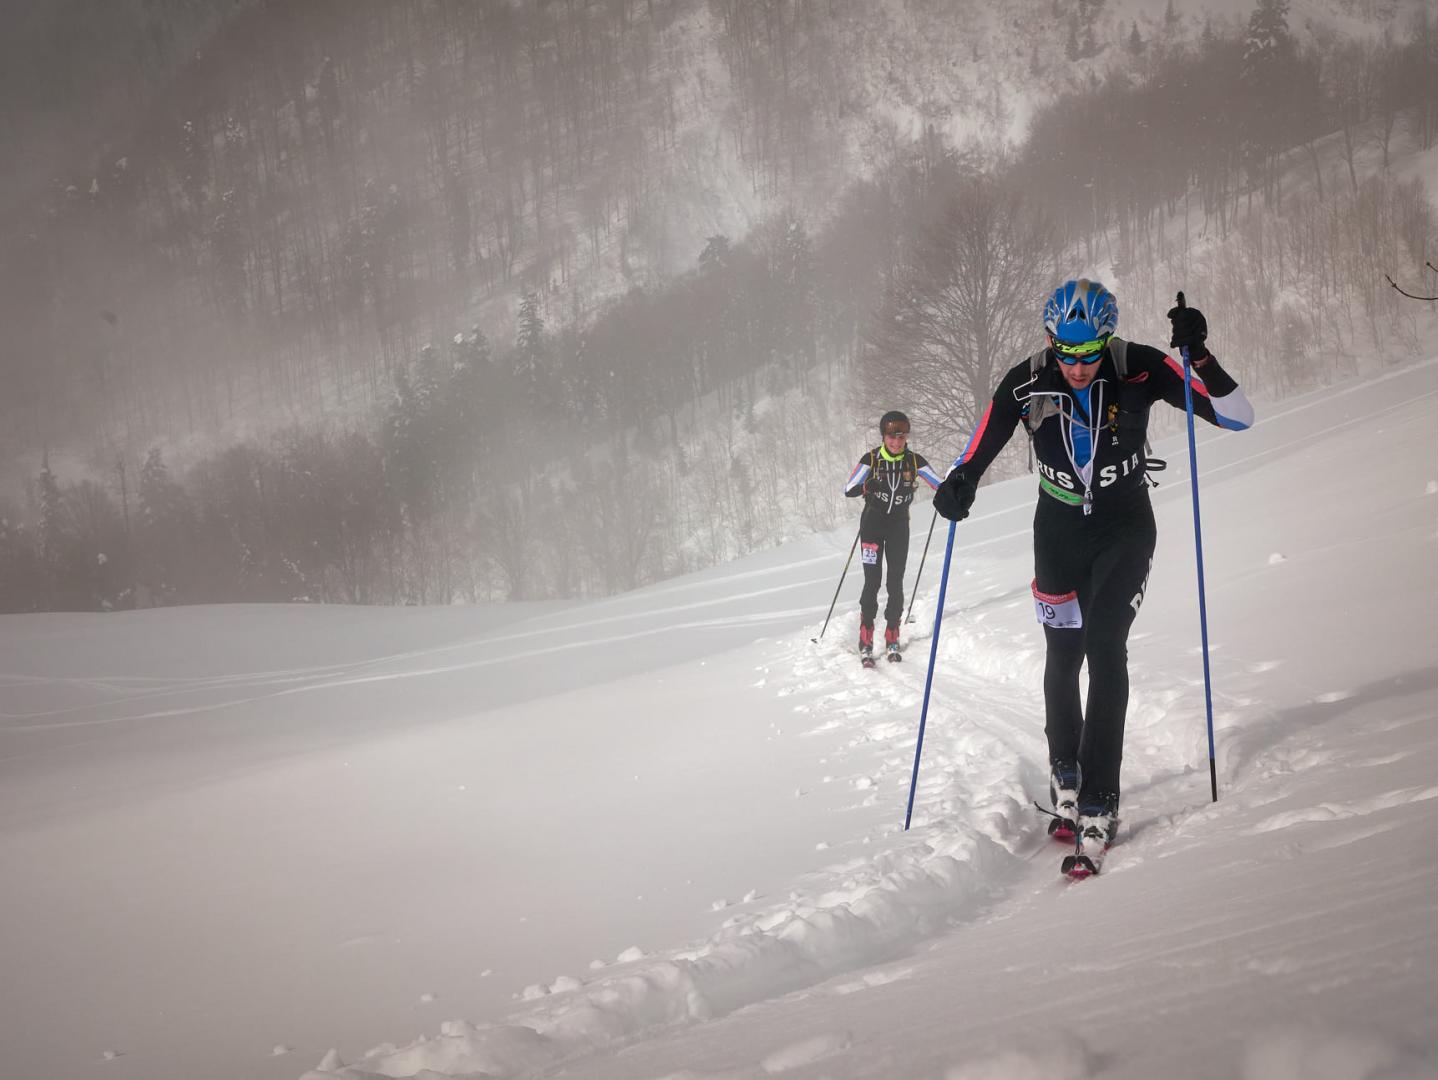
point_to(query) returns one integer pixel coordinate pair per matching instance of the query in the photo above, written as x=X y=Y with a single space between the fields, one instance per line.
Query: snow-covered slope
x=660 y=835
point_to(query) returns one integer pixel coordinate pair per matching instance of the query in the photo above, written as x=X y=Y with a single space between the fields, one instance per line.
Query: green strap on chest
x=1049 y=487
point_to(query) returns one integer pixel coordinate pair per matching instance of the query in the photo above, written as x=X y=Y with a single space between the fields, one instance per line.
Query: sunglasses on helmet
x=1079 y=352
x=897 y=433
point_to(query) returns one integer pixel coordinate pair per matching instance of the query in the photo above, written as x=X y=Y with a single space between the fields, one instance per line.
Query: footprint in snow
x=872 y=979
x=1336 y=838
x=1070 y=1062
x=1386 y=759
x=805 y=1052
x=1331 y=812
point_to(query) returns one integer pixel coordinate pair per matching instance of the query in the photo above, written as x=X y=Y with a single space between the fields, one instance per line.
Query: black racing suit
x=887 y=483
x=1094 y=533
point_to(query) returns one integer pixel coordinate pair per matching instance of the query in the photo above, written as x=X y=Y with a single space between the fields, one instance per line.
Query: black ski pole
x=915 y=594
x=842 y=576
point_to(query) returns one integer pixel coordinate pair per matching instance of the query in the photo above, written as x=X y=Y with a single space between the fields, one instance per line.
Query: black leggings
x=1106 y=558
x=884 y=537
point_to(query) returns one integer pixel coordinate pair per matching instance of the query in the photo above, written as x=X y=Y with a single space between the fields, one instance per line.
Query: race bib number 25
x=1059 y=610
x=869 y=554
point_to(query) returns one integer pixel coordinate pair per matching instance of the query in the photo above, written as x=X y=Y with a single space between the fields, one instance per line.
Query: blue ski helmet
x=1081 y=311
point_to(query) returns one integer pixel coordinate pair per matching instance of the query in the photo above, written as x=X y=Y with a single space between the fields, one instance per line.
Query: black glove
x=1190 y=330
x=955 y=496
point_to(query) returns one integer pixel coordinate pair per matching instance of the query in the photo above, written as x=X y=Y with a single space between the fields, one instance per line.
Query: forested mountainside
x=325 y=186
x=77 y=76
x=431 y=301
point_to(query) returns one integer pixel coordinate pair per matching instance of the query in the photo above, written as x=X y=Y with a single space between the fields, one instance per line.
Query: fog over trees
x=434 y=301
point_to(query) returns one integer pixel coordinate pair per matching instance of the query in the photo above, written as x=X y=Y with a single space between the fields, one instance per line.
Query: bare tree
x=963 y=308
x=1405 y=292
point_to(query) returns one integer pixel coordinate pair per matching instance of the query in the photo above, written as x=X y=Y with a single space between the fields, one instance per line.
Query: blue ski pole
x=1198 y=547
x=929 y=679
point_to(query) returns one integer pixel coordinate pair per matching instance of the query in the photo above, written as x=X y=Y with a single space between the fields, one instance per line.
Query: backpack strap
x=1118 y=349
x=1037 y=409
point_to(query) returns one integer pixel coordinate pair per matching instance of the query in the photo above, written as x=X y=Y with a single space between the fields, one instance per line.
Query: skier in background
x=1085 y=401
x=886 y=477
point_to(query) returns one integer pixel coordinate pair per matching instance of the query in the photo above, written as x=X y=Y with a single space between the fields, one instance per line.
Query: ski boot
x=1063 y=794
x=866 y=644
x=891 y=643
x=1098 y=824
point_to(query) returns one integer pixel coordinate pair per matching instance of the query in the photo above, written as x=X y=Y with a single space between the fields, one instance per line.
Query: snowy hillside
x=659 y=835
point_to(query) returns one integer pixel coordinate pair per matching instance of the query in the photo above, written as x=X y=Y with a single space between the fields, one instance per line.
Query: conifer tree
x=165 y=529
x=52 y=532
x=531 y=349
x=19 y=568
x=1267 y=73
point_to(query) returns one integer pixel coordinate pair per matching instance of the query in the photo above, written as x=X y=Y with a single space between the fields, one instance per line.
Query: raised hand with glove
x=954 y=496
x=1190 y=331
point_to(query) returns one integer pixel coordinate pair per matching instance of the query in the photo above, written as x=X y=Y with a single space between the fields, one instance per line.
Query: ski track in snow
x=257 y=686
x=977 y=843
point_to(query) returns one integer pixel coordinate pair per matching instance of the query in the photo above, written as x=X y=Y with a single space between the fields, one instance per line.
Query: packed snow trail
x=981 y=857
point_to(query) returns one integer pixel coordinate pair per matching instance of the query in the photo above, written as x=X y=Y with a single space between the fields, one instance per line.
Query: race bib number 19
x=1059 y=610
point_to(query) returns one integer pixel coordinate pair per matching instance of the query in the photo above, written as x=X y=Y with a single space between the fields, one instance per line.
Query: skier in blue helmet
x=1084 y=400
